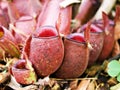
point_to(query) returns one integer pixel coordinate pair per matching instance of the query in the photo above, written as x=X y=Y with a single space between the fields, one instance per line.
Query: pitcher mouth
x=46 y=32
x=79 y=36
x=45 y=37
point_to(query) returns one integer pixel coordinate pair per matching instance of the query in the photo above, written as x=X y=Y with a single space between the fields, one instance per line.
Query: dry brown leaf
x=91 y=85
x=93 y=70
x=2 y=67
x=73 y=84
x=112 y=81
x=4 y=76
x=117 y=23
x=56 y=87
x=44 y=81
x=116 y=49
x=117 y=30
x=83 y=84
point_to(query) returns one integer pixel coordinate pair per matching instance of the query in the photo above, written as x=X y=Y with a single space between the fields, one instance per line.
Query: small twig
x=58 y=79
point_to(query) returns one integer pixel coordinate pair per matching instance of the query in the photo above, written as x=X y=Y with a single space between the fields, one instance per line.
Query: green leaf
x=118 y=77
x=114 y=68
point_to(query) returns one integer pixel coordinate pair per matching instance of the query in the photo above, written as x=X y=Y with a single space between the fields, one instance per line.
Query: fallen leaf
x=91 y=85
x=112 y=81
x=83 y=84
x=56 y=87
x=4 y=76
x=93 y=70
x=117 y=23
x=116 y=49
x=73 y=84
